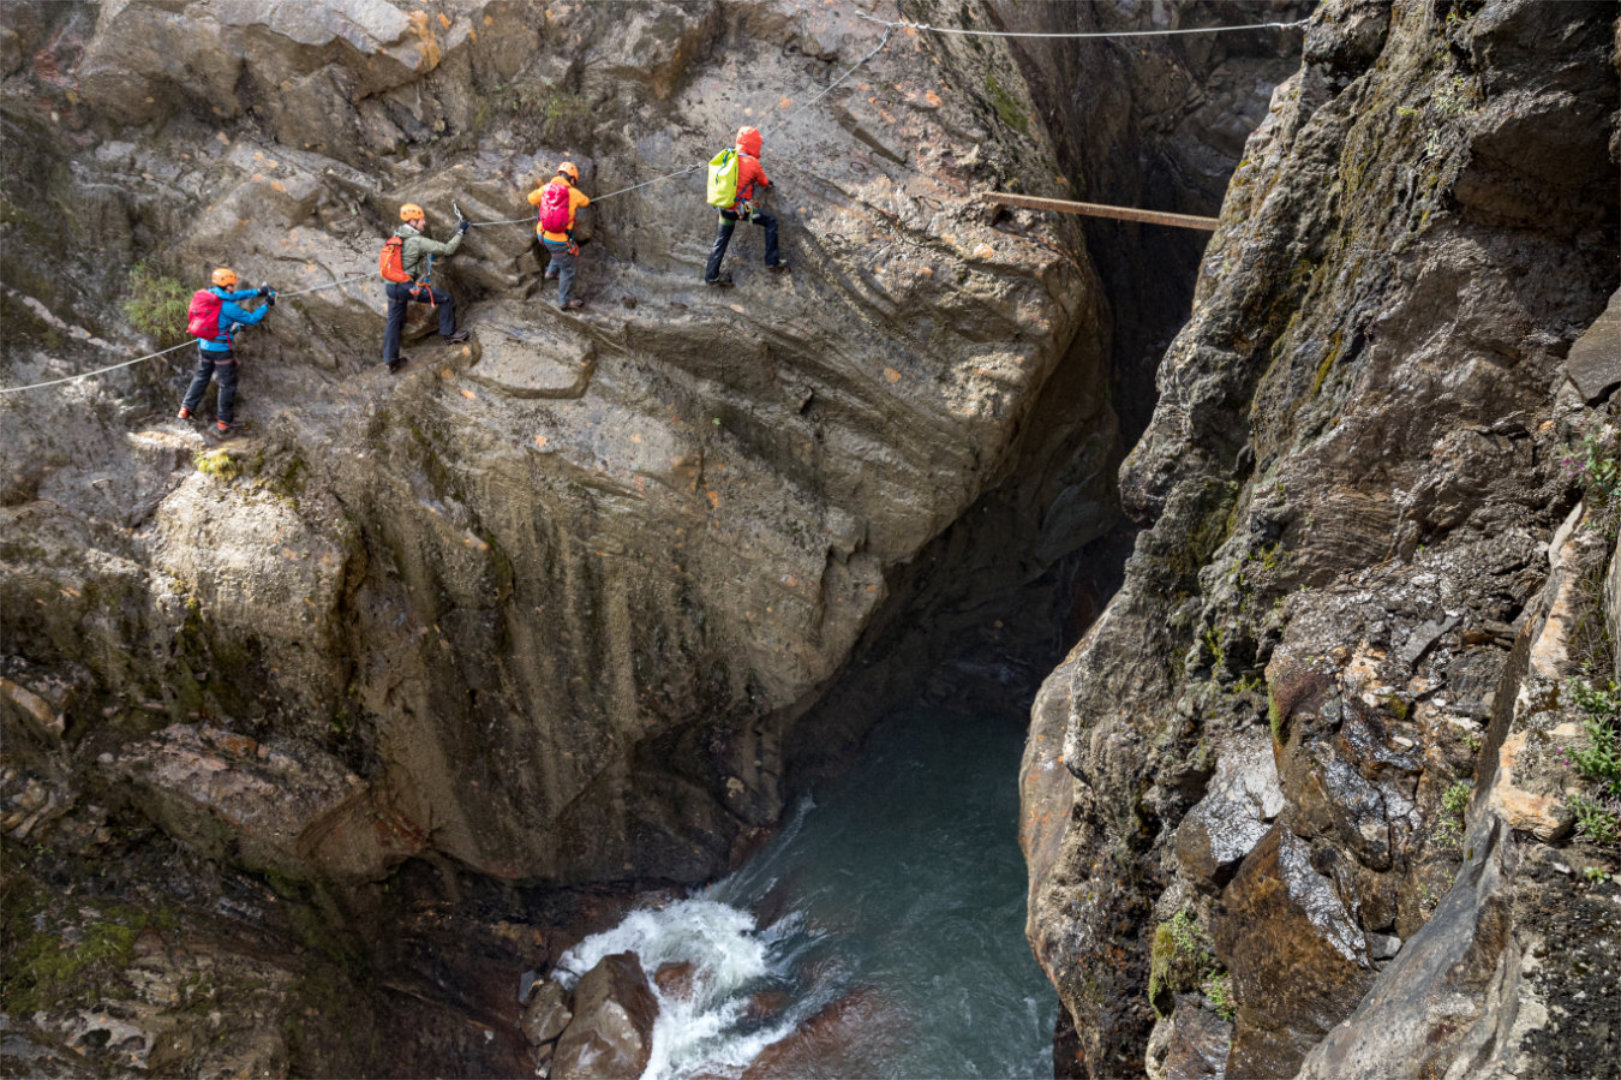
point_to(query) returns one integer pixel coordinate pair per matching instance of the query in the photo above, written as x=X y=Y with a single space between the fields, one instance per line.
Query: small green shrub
x=1454 y=803
x=1595 y=820
x=157 y=304
x=1595 y=462
x=1179 y=960
x=1220 y=995
x=1600 y=759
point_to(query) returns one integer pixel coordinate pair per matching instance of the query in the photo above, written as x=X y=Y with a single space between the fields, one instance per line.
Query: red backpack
x=391 y=260
x=203 y=317
x=554 y=205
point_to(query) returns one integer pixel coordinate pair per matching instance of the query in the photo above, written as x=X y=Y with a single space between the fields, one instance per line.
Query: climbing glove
x=464 y=226
x=264 y=290
x=270 y=301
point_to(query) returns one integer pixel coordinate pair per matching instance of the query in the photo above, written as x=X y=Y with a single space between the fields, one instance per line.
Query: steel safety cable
x=906 y=24
x=174 y=348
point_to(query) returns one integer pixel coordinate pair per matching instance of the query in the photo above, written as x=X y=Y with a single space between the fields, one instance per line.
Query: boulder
x=1243 y=798
x=611 y=1034
x=546 y=1015
x=1297 y=962
x=1190 y=1044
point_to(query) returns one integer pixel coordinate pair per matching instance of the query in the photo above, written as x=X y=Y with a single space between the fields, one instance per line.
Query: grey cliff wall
x=1288 y=783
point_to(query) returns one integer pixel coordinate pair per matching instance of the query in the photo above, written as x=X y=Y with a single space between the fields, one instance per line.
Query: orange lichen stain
x=932 y=98
x=469 y=395
x=714 y=498
x=892 y=375
x=635 y=438
x=926 y=271
x=258 y=155
x=444 y=21
x=71 y=592
x=277 y=185
x=540 y=440
x=446 y=373
x=785 y=103
x=258 y=176
x=489 y=20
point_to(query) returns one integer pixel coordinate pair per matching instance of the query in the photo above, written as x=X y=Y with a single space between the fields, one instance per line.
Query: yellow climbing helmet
x=224 y=278
x=568 y=169
x=410 y=211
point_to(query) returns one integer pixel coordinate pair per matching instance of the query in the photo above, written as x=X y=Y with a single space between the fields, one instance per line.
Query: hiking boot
x=457 y=338
x=183 y=414
x=574 y=305
x=226 y=428
x=722 y=282
x=551 y=274
x=780 y=268
x=395 y=364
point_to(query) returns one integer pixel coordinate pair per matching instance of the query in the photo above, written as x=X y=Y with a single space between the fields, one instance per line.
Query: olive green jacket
x=416 y=249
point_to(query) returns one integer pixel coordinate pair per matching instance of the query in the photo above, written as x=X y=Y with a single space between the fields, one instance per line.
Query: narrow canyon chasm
x=402 y=731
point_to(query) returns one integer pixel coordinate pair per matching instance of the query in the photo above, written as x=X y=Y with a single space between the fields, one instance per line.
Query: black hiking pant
x=401 y=294
x=723 y=237
x=220 y=366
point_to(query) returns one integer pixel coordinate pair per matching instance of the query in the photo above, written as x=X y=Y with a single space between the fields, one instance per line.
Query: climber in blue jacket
x=215 y=356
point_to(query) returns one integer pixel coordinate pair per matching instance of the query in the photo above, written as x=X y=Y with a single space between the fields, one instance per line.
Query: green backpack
x=723 y=179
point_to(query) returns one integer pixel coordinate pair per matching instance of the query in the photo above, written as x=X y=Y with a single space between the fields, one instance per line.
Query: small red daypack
x=554 y=204
x=203 y=316
x=391 y=260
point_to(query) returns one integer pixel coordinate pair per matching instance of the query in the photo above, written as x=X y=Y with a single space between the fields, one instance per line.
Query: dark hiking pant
x=220 y=366
x=723 y=237
x=400 y=295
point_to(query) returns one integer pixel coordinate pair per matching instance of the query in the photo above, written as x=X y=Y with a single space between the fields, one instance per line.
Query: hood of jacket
x=749 y=141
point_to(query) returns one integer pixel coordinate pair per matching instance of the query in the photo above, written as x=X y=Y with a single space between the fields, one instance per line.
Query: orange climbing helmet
x=569 y=170
x=223 y=277
x=411 y=211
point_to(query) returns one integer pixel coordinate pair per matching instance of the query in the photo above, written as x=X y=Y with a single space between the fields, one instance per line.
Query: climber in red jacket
x=749 y=176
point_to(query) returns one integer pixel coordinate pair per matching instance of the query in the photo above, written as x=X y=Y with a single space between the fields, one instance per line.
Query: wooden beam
x=1123 y=213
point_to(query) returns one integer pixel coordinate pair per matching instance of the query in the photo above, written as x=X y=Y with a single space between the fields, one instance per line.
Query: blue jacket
x=232 y=317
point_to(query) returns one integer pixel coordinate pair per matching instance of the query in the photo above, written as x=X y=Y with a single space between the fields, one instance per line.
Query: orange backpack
x=391 y=260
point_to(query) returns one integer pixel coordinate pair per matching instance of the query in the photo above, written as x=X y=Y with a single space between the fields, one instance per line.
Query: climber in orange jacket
x=556 y=204
x=749 y=176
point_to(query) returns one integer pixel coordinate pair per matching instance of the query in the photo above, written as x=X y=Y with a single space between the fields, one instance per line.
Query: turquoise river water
x=879 y=934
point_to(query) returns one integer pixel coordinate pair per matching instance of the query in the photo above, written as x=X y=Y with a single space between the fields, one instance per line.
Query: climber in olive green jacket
x=415 y=260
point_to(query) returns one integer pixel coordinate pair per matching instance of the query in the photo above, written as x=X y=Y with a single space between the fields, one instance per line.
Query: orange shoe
x=183 y=414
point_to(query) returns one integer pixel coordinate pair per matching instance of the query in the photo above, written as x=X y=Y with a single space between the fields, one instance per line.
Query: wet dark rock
x=1243 y=799
x=546 y=1014
x=611 y=1033
x=1298 y=963
x=1192 y=1045
x=1594 y=363
x=675 y=980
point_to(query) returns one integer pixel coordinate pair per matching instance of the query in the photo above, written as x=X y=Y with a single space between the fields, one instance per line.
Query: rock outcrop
x=1353 y=474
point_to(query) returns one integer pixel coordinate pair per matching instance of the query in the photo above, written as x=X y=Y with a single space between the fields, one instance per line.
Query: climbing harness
x=175 y=348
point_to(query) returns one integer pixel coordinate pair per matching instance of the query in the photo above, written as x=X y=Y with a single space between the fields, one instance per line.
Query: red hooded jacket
x=749 y=171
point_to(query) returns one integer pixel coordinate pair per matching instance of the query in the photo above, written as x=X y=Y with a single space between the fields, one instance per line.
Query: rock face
x=1350 y=484
x=556 y=607
x=559 y=597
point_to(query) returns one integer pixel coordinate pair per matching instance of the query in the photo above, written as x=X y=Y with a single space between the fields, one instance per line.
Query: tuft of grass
x=218 y=464
x=1180 y=960
x=1594 y=819
x=1219 y=993
x=1454 y=803
x=157 y=304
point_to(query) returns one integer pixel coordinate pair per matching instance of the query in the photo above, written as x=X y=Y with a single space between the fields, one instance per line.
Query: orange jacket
x=749 y=171
x=576 y=199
